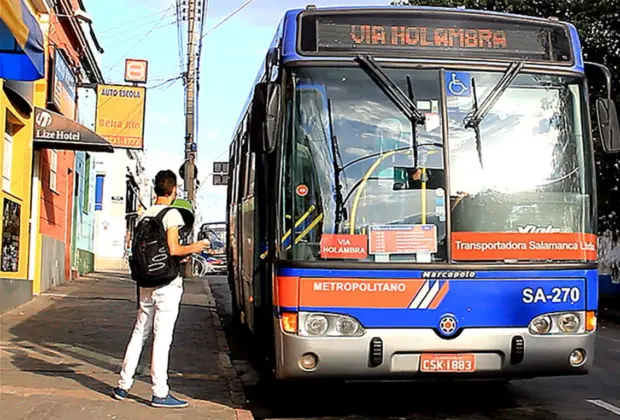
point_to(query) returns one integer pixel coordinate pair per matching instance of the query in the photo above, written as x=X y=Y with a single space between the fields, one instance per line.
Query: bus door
x=234 y=230
x=247 y=238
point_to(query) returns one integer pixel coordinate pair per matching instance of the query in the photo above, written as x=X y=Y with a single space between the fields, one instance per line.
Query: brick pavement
x=61 y=354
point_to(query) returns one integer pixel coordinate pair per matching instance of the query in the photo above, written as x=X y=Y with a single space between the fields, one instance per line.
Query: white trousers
x=158 y=311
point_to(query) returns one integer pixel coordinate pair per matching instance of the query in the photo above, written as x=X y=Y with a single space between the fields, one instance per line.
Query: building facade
x=83 y=249
x=47 y=49
x=66 y=172
x=21 y=89
x=118 y=204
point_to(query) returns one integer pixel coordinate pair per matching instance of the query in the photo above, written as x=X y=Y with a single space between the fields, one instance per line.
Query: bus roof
x=291 y=27
x=287 y=33
x=383 y=7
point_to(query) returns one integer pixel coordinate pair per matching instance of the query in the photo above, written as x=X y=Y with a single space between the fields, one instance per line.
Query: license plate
x=440 y=362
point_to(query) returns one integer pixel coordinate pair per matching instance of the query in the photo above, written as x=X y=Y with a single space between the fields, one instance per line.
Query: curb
x=235 y=386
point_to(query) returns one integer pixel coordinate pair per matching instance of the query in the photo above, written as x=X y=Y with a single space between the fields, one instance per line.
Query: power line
x=203 y=19
x=140 y=40
x=210 y=173
x=220 y=23
x=124 y=32
x=133 y=37
x=171 y=81
x=180 y=36
x=202 y=37
x=134 y=20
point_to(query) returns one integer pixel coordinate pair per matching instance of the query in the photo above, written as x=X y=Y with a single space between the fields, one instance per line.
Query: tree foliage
x=598 y=24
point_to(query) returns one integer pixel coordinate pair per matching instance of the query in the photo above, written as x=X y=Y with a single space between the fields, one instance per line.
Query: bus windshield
x=216 y=234
x=355 y=168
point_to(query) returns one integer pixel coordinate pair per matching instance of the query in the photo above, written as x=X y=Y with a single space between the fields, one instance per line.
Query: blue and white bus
x=412 y=194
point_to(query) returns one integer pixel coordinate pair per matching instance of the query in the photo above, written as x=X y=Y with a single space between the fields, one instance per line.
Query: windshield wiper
x=403 y=102
x=338 y=168
x=479 y=112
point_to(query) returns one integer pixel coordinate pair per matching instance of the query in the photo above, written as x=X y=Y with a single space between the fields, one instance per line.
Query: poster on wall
x=10 y=236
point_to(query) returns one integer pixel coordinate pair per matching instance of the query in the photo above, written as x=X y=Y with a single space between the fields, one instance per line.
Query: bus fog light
x=569 y=323
x=347 y=326
x=317 y=325
x=308 y=361
x=577 y=358
x=540 y=325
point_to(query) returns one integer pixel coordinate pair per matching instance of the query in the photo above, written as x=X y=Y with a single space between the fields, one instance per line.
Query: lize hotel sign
x=120 y=115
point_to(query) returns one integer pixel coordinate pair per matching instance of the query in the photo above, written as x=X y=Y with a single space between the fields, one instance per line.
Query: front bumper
x=348 y=357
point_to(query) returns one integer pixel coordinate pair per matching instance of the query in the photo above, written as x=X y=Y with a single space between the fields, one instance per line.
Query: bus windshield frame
x=537 y=176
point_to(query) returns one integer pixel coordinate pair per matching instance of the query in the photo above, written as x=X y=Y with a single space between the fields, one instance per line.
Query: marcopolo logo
x=448 y=274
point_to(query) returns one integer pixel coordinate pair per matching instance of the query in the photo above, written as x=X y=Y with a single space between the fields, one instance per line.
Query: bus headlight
x=558 y=323
x=540 y=325
x=316 y=325
x=329 y=325
x=569 y=323
x=347 y=326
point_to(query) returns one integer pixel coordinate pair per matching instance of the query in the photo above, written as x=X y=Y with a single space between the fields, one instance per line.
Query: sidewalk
x=62 y=351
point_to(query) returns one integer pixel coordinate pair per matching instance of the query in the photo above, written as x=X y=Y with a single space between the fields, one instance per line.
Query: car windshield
x=393 y=205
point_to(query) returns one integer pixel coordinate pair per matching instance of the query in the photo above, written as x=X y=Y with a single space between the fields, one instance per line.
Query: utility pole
x=190 y=107
x=190 y=96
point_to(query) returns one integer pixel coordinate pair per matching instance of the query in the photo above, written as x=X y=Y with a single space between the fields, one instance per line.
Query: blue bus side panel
x=398 y=298
x=608 y=287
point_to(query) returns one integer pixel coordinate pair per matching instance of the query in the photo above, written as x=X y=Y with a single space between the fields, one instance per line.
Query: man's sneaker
x=168 y=402
x=120 y=393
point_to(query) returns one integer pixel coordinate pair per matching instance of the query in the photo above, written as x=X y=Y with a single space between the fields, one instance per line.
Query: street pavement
x=61 y=354
x=595 y=396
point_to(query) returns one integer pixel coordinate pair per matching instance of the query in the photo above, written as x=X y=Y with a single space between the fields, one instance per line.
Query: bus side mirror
x=264 y=117
x=257 y=117
x=273 y=112
x=608 y=126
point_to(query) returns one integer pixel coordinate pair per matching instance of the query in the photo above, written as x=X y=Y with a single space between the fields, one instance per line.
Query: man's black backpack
x=151 y=264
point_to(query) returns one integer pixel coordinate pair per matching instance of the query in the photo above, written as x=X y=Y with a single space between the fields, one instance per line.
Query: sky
x=231 y=57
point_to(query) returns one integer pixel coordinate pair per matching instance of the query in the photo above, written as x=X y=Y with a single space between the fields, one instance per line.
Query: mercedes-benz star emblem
x=448 y=325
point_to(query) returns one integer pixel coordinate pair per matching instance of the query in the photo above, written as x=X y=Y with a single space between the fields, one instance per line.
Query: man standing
x=159 y=306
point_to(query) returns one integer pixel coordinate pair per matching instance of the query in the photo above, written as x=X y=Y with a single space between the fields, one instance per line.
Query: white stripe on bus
x=420 y=296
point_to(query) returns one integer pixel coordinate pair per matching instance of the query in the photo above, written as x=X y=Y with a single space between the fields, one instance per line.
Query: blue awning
x=22 y=55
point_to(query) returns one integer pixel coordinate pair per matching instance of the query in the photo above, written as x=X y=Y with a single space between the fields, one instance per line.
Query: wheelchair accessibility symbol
x=457 y=84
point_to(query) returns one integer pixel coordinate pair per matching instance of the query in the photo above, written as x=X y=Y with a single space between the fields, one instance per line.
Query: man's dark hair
x=165 y=181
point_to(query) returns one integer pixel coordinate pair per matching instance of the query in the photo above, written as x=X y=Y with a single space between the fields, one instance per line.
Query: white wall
x=110 y=224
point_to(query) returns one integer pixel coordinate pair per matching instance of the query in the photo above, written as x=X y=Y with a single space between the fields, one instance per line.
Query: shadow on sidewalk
x=91 y=334
x=24 y=362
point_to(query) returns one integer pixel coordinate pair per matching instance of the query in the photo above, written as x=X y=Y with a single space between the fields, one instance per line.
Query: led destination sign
x=433 y=34
x=428 y=37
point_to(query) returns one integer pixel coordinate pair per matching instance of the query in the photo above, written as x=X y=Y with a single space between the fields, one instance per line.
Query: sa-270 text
x=557 y=295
